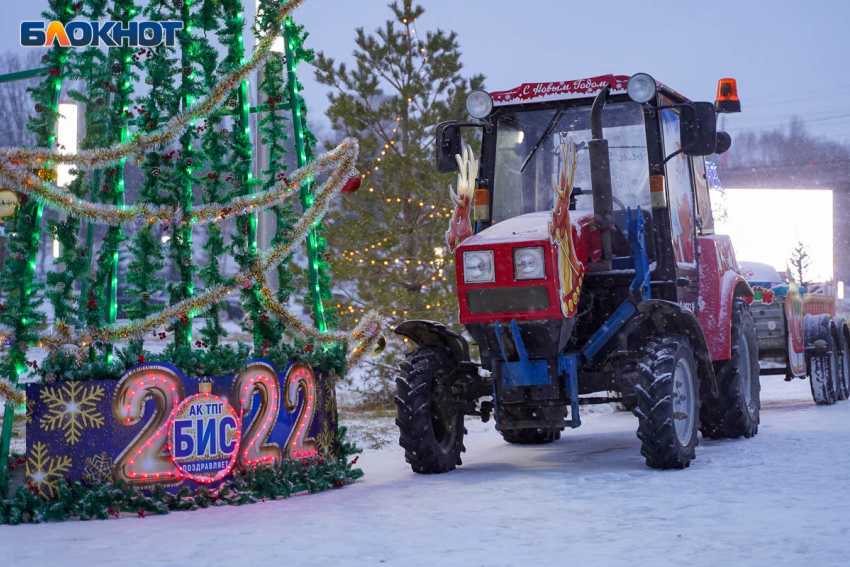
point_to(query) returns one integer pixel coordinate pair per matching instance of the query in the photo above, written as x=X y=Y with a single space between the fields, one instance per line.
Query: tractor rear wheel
x=668 y=402
x=844 y=368
x=430 y=427
x=823 y=374
x=532 y=436
x=734 y=412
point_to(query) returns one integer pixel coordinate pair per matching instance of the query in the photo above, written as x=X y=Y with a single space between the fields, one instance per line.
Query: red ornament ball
x=351 y=186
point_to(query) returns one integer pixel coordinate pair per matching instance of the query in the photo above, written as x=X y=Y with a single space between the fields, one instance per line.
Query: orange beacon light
x=727 y=96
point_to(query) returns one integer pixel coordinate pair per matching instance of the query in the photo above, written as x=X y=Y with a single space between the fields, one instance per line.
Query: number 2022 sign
x=156 y=426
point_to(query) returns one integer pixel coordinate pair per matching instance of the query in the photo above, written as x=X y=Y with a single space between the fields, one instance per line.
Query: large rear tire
x=430 y=429
x=844 y=368
x=823 y=373
x=668 y=402
x=735 y=411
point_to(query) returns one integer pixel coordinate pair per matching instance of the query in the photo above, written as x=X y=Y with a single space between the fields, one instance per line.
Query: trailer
x=799 y=332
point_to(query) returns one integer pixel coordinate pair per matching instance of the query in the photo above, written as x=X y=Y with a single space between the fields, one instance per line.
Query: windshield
x=517 y=191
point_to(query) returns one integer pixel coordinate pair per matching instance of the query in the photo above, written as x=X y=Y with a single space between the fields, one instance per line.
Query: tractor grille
x=501 y=300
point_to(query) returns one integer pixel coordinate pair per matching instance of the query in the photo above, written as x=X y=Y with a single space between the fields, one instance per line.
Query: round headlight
x=528 y=263
x=478 y=267
x=479 y=104
x=641 y=88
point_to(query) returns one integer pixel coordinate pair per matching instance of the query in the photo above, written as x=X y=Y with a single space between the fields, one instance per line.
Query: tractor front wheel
x=668 y=402
x=734 y=412
x=430 y=427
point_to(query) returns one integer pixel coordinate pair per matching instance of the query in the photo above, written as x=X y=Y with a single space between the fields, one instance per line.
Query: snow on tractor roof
x=758 y=272
x=563 y=90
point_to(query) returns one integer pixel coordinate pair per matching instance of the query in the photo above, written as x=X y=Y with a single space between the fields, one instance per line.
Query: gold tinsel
x=343 y=158
x=9 y=392
x=167 y=133
x=59 y=199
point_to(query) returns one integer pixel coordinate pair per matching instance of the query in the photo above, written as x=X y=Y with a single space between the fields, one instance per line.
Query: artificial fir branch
x=214 y=147
x=180 y=243
x=102 y=501
x=20 y=297
x=272 y=129
x=90 y=66
x=242 y=248
x=161 y=180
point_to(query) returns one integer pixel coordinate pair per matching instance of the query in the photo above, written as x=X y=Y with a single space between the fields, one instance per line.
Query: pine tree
x=388 y=238
x=800 y=262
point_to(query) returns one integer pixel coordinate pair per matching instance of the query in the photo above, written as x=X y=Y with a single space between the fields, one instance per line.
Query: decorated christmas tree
x=181 y=114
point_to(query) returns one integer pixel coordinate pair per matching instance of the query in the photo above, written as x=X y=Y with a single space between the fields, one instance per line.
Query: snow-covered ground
x=781 y=498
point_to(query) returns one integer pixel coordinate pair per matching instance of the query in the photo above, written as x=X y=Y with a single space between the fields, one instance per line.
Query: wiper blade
x=545 y=135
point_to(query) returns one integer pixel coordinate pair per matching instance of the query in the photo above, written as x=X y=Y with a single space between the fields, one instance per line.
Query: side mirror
x=448 y=146
x=698 y=129
x=724 y=142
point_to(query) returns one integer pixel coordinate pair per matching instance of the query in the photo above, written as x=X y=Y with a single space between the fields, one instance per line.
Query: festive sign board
x=563 y=90
x=156 y=426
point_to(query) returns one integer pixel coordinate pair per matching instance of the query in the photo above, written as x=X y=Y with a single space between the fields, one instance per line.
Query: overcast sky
x=789 y=57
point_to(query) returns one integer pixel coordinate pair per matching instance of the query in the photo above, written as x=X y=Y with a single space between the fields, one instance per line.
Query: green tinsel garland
x=280 y=480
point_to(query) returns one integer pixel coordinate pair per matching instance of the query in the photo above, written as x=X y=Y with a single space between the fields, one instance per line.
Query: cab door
x=682 y=209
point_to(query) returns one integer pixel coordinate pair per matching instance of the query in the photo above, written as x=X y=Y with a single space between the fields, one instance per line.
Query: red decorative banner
x=564 y=90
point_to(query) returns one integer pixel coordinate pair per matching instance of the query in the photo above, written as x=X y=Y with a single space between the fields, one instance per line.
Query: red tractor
x=588 y=272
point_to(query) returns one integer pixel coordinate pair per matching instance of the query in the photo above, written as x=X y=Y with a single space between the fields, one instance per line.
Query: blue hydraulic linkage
x=527 y=372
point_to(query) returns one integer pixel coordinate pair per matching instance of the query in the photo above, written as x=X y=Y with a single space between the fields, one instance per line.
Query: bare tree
x=800 y=261
x=793 y=145
x=15 y=102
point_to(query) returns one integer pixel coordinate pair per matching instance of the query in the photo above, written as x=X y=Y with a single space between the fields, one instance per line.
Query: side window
x=679 y=190
x=703 y=200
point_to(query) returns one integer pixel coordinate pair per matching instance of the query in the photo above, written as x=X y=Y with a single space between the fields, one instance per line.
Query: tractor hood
x=535 y=227
x=506 y=295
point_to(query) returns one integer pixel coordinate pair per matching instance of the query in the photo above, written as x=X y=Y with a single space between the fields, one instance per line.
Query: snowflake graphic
x=330 y=399
x=326 y=441
x=30 y=406
x=98 y=469
x=44 y=471
x=72 y=407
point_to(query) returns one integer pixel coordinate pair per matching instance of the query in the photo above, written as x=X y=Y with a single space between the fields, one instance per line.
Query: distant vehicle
x=798 y=332
x=582 y=268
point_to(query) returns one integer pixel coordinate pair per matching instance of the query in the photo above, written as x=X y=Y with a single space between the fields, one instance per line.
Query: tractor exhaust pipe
x=600 y=181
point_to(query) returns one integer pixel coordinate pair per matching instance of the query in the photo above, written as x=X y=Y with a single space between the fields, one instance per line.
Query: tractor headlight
x=478 y=267
x=479 y=104
x=641 y=88
x=529 y=263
